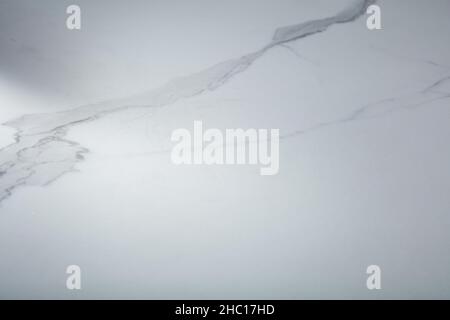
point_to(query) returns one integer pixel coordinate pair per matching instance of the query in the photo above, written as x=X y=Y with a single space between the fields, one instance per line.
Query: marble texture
x=363 y=180
x=34 y=159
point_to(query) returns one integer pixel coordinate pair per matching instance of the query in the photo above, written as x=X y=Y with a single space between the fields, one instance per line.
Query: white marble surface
x=364 y=155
